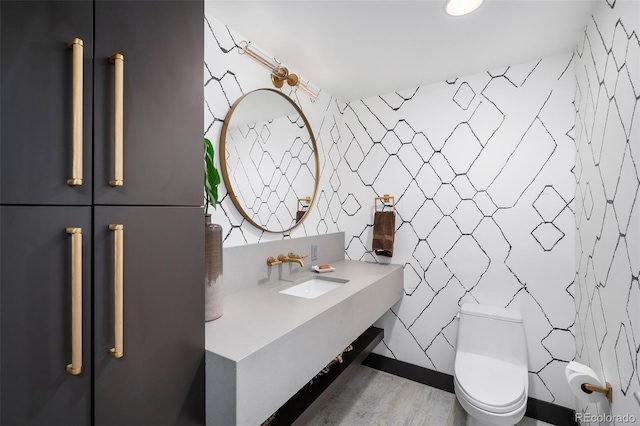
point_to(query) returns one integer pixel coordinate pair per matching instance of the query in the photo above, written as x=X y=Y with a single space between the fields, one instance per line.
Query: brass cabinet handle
x=76 y=161
x=76 y=301
x=118 y=106
x=118 y=304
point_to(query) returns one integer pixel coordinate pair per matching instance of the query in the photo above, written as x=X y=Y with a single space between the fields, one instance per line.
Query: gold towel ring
x=385 y=202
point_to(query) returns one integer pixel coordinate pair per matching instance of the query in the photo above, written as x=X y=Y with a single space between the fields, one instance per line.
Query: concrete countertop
x=256 y=317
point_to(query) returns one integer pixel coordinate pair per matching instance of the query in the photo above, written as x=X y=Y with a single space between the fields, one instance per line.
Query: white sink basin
x=313 y=287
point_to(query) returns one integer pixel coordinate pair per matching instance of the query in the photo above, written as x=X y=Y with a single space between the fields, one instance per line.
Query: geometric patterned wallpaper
x=481 y=168
x=607 y=291
x=484 y=173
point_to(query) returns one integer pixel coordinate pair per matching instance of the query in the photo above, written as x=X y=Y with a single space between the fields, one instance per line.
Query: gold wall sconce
x=279 y=74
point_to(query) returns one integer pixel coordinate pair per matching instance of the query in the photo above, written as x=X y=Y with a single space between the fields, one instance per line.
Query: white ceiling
x=355 y=49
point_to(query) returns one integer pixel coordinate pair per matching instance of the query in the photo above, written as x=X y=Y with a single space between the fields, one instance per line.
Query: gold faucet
x=292 y=257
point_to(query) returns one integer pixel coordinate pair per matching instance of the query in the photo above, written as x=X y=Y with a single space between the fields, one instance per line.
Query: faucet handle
x=297 y=256
x=271 y=261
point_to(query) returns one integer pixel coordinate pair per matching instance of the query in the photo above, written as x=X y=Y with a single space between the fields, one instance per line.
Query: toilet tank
x=492 y=331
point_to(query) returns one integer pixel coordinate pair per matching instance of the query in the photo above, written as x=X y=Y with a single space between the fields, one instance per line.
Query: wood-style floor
x=373 y=397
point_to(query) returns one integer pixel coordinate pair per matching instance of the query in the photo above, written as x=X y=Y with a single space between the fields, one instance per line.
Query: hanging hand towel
x=384 y=225
x=299 y=215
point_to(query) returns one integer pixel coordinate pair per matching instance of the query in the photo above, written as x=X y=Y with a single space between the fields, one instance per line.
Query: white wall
x=607 y=208
x=481 y=168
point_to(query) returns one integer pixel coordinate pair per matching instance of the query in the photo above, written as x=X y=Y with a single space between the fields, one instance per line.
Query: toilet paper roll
x=577 y=375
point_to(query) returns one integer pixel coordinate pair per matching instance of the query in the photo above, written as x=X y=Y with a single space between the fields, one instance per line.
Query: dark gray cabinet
x=35 y=101
x=163 y=320
x=35 y=311
x=162 y=45
x=160 y=378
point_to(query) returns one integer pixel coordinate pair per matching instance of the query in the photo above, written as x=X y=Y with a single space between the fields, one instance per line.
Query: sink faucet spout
x=298 y=261
x=291 y=258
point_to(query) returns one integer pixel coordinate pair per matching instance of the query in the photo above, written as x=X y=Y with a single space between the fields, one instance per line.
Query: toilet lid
x=488 y=383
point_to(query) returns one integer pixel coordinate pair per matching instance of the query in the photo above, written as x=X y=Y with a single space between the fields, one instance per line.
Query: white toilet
x=490 y=373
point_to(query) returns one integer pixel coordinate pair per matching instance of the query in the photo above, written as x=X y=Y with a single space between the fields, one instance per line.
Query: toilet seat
x=490 y=384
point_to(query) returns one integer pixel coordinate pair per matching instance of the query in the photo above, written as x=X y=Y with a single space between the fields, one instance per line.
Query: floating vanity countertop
x=267 y=345
x=256 y=317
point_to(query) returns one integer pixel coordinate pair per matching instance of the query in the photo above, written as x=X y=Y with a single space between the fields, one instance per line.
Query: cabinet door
x=162 y=43
x=36 y=311
x=36 y=96
x=159 y=380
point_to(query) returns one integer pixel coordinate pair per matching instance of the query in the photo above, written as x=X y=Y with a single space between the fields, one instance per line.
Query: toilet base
x=479 y=417
x=472 y=421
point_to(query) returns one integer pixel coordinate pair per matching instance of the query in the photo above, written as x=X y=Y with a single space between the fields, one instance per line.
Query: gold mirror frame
x=225 y=173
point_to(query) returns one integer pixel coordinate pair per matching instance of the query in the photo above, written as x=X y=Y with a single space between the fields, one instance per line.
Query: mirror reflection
x=269 y=160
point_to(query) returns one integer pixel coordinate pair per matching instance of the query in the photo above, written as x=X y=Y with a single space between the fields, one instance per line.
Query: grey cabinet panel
x=36 y=101
x=162 y=43
x=159 y=380
x=35 y=339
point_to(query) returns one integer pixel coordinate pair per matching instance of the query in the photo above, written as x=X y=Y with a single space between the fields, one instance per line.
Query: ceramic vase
x=213 y=295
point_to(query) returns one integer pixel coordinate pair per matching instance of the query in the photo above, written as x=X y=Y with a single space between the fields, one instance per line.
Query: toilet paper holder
x=607 y=391
x=581 y=378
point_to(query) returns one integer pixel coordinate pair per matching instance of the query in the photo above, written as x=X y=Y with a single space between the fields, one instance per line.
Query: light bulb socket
x=293 y=80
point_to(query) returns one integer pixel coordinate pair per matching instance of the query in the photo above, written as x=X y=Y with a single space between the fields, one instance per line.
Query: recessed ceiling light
x=461 y=7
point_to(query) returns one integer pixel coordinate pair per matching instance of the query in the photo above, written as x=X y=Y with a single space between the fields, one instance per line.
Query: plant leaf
x=211 y=175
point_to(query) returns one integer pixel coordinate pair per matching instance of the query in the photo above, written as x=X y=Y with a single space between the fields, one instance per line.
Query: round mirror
x=269 y=160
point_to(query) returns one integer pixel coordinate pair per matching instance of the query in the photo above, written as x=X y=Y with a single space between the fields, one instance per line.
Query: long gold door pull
x=118 y=297
x=76 y=148
x=75 y=367
x=118 y=122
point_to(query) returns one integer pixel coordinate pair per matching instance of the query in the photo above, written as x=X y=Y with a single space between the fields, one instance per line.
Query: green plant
x=211 y=176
